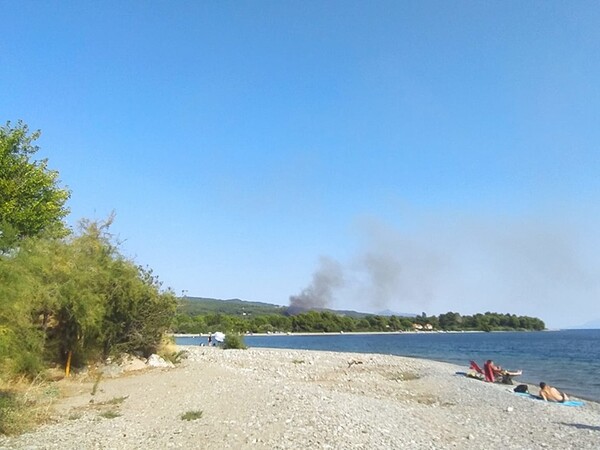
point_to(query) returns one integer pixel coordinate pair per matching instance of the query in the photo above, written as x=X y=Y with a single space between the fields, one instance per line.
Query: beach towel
x=567 y=403
x=473 y=374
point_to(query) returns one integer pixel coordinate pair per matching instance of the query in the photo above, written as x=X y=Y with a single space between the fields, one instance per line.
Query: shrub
x=77 y=300
x=96 y=383
x=234 y=341
x=174 y=357
x=110 y=414
x=115 y=400
x=168 y=351
x=191 y=415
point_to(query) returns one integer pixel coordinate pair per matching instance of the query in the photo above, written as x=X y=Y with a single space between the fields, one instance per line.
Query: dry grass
x=25 y=405
x=168 y=351
x=113 y=401
x=110 y=414
x=96 y=383
x=402 y=376
x=108 y=409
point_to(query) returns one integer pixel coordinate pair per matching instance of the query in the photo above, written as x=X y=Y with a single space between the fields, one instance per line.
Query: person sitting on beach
x=491 y=371
x=494 y=373
x=551 y=394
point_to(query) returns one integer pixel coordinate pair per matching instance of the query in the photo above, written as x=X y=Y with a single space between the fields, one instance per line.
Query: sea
x=567 y=359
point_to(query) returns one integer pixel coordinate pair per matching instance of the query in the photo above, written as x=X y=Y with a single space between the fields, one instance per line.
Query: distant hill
x=388 y=312
x=201 y=305
x=235 y=307
x=293 y=310
x=591 y=325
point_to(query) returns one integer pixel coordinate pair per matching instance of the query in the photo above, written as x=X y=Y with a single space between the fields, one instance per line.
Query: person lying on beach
x=551 y=394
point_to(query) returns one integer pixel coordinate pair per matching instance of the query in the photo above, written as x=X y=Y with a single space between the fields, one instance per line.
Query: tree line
x=324 y=321
x=68 y=297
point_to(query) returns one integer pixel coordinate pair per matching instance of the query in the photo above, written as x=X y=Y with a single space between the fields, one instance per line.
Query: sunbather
x=494 y=373
x=491 y=371
x=551 y=394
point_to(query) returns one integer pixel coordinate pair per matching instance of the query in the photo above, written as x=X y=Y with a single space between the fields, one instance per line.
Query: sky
x=415 y=156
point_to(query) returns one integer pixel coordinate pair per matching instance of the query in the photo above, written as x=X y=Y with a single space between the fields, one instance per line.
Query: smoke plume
x=523 y=265
x=319 y=293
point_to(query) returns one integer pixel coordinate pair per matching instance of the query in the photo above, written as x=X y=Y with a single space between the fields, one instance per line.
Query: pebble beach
x=298 y=399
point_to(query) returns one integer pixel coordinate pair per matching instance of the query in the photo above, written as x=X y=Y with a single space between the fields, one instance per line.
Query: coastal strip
x=330 y=333
x=298 y=399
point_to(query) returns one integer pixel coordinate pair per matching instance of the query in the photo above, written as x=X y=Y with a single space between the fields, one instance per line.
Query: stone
x=157 y=361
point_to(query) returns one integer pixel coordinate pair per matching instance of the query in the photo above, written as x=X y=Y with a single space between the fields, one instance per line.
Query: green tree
x=75 y=300
x=31 y=200
x=450 y=321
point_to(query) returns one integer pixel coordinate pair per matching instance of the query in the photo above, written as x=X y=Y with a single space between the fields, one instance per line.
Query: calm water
x=568 y=359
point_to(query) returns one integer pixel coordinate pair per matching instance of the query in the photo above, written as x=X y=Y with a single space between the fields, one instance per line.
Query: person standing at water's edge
x=551 y=394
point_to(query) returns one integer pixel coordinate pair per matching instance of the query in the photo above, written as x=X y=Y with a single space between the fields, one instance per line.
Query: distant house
x=419 y=327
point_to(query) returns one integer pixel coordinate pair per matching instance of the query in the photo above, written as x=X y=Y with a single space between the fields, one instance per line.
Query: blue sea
x=567 y=359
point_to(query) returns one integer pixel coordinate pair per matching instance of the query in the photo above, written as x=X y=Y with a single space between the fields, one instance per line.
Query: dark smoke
x=536 y=266
x=319 y=293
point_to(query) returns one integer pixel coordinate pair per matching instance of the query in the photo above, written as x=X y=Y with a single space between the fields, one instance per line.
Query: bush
x=234 y=341
x=20 y=349
x=191 y=415
x=77 y=300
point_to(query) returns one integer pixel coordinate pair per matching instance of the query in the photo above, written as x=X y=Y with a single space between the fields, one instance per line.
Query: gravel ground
x=296 y=399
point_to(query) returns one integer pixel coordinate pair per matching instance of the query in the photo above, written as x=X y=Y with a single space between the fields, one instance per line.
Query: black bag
x=521 y=388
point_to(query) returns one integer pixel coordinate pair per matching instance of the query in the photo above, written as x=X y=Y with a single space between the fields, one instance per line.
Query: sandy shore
x=292 y=399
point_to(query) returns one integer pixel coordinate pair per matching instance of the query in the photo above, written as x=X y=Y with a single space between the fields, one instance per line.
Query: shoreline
x=533 y=387
x=326 y=333
x=294 y=399
x=574 y=383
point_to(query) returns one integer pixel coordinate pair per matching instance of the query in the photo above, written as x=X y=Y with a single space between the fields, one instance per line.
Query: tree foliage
x=77 y=294
x=64 y=295
x=31 y=200
x=234 y=307
x=326 y=321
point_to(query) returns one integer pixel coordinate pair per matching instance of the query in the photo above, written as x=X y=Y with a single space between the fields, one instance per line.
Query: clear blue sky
x=419 y=156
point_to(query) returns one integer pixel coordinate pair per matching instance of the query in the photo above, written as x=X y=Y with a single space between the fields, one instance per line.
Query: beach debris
x=353 y=362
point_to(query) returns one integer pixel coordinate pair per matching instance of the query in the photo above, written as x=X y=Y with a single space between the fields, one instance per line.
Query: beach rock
x=156 y=361
x=131 y=363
